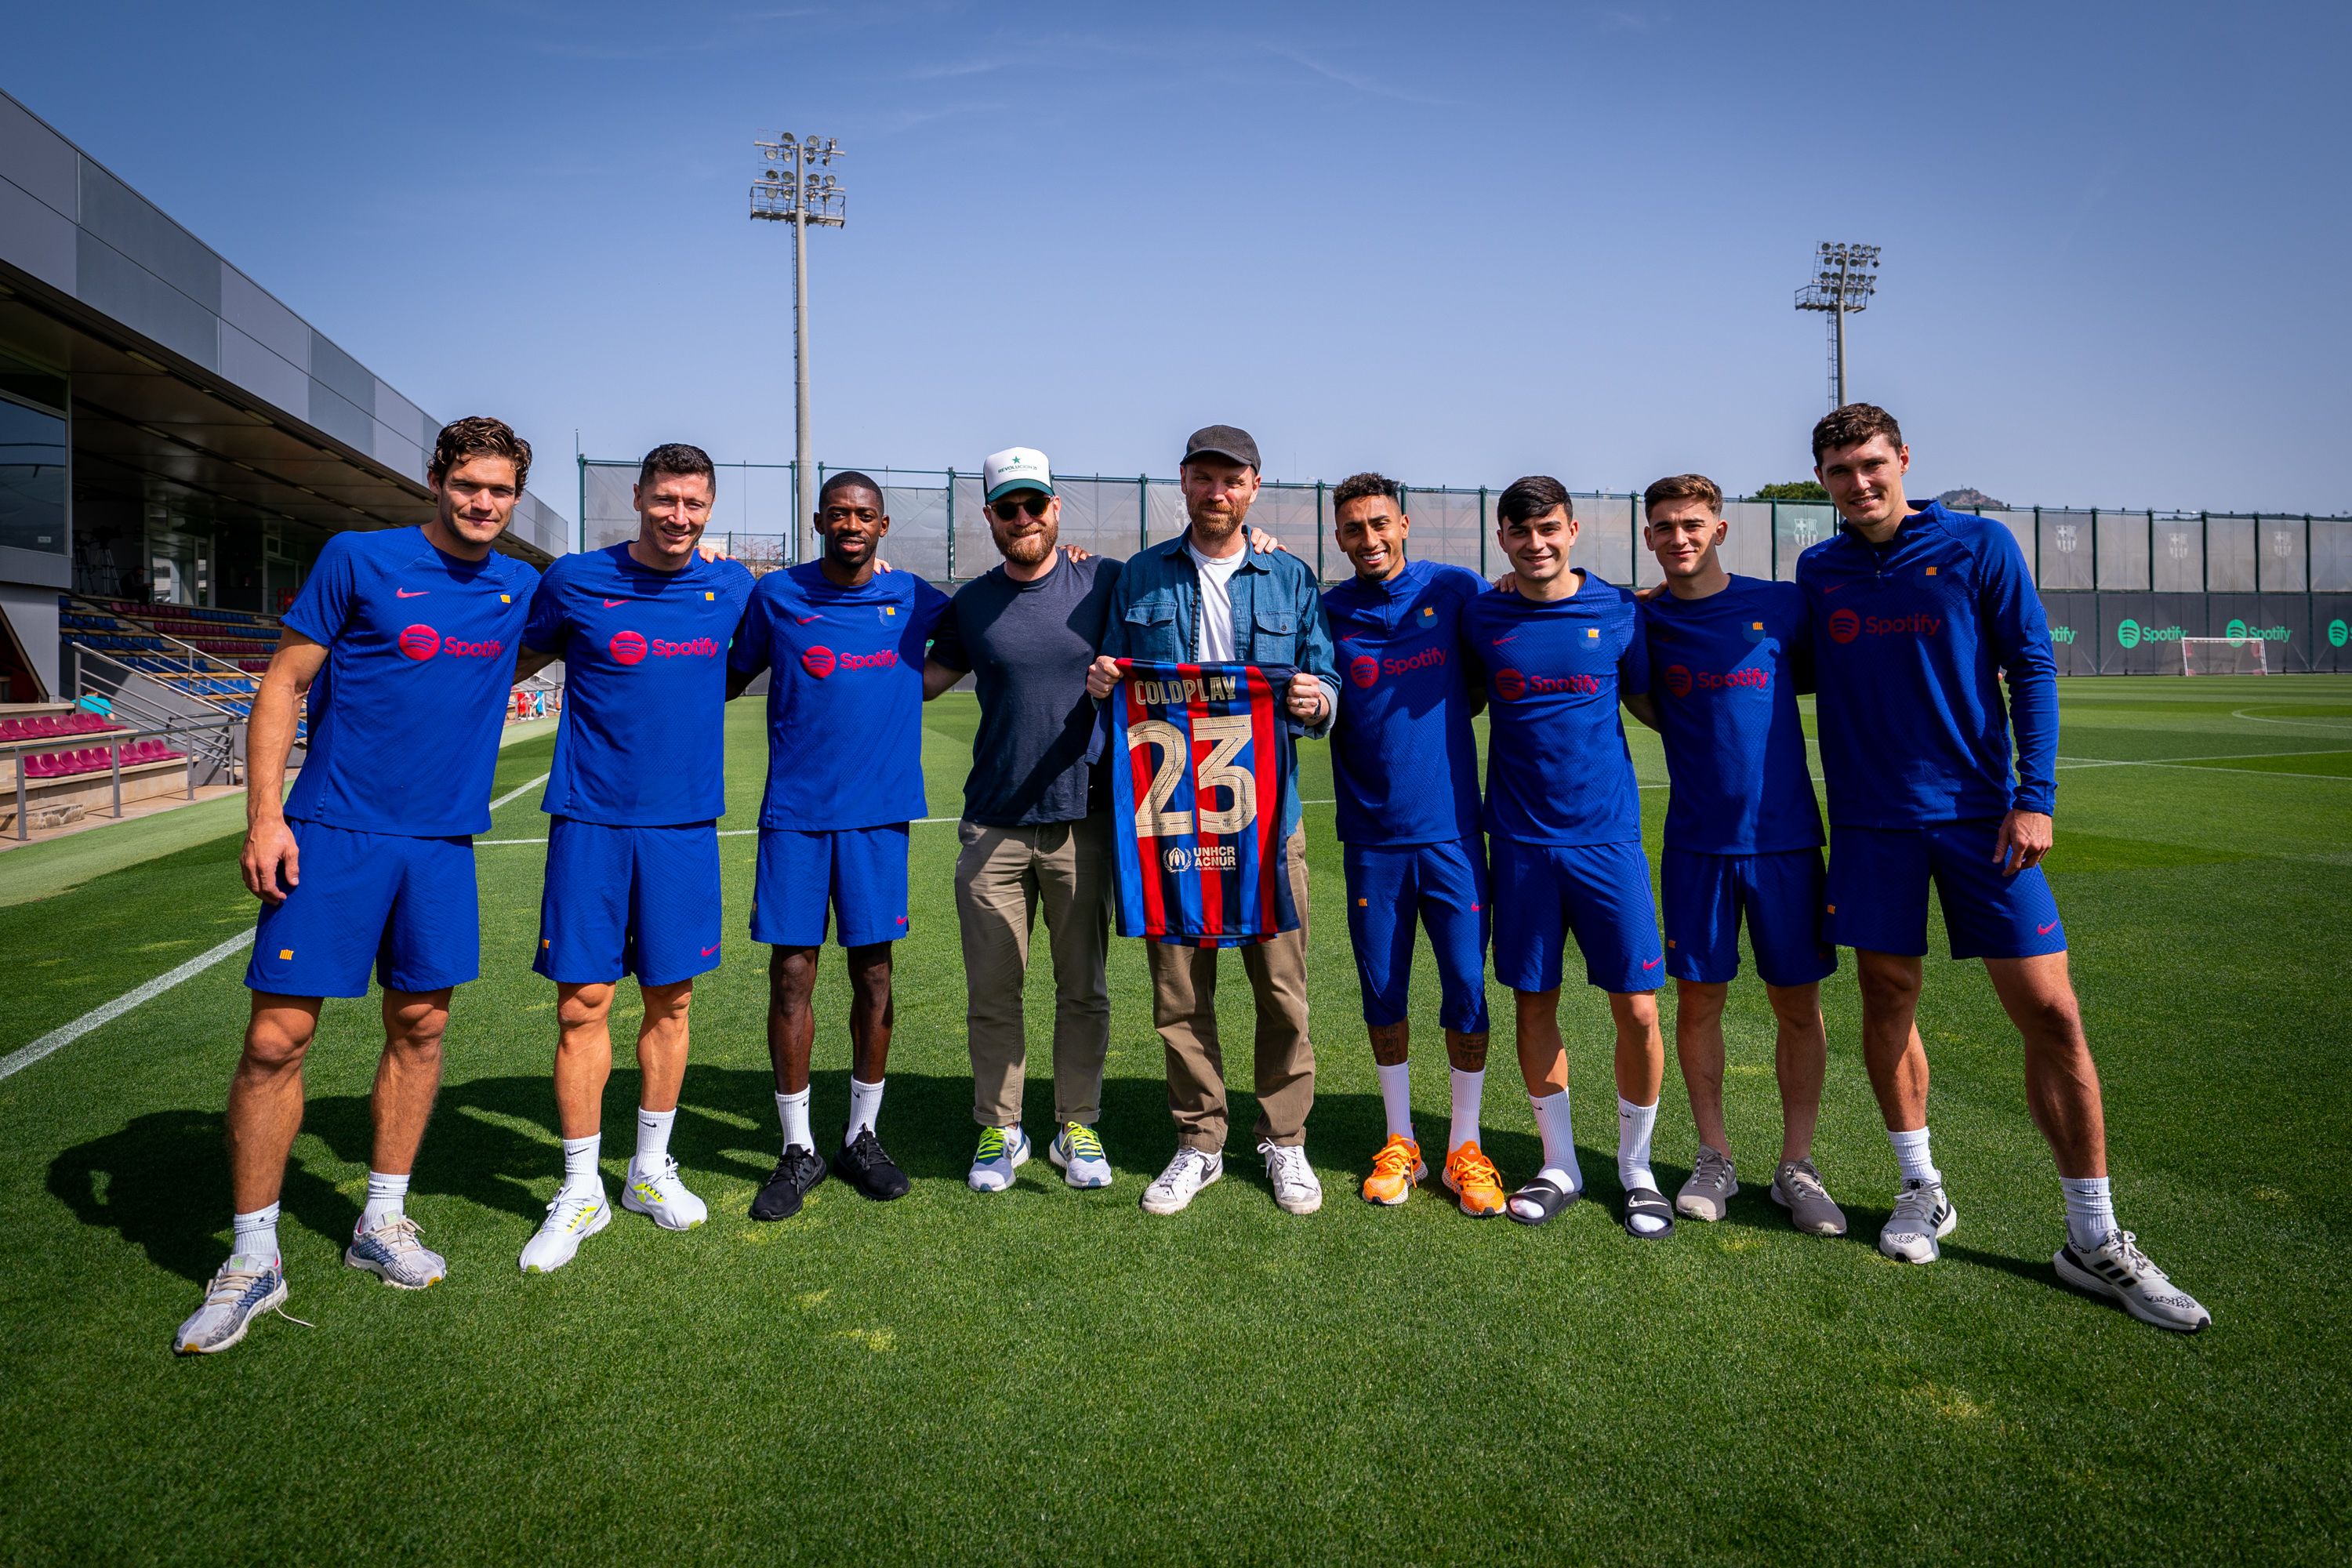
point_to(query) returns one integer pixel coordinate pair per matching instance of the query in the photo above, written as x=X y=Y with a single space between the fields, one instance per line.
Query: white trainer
x=661 y=1196
x=393 y=1253
x=1923 y=1216
x=1181 y=1181
x=1079 y=1152
x=571 y=1219
x=2117 y=1269
x=1295 y=1185
x=1002 y=1152
x=243 y=1290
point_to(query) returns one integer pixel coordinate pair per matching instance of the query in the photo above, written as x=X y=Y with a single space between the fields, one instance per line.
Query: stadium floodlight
x=1844 y=278
x=788 y=191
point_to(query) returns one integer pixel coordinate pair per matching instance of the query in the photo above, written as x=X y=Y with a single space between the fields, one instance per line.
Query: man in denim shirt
x=1210 y=596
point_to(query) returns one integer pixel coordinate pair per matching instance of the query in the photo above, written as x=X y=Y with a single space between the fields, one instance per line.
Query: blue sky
x=1457 y=243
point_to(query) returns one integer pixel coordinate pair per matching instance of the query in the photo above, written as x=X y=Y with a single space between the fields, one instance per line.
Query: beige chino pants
x=1184 y=1009
x=1002 y=877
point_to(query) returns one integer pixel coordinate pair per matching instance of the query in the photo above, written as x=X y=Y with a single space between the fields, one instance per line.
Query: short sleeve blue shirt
x=844 y=695
x=1404 y=762
x=645 y=686
x=1725 y=672
x=1557 y=768
x=406 y=712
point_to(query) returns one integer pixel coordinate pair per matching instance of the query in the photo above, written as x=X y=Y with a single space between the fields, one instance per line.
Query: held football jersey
x=1405 y=763
x=1557 y=768
x=645 y=686
x=844 y=695
x=405 y=713
x=1200 y=768
x=1725 y=672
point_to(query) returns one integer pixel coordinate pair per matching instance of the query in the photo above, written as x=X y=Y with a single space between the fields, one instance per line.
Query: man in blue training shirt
x=1556 y=651
x=634 y=796
x=1917 y=616
x=1727 y=657
x=1404 y=768
x=844 y=647
x=406 y=642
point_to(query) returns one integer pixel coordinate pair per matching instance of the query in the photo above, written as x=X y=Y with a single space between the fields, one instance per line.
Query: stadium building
x=175 y=445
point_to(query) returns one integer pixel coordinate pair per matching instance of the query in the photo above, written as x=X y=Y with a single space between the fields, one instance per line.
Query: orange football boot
x=1394 y=1171
x=1472 y=1177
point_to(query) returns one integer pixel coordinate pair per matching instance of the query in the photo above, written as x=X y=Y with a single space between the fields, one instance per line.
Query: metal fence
x=2122 y=588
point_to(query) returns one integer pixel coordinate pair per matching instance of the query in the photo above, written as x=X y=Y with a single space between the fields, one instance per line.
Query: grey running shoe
x=1708 y=1192
x=1002 y=1152
x=1796 y=1187
x=392 y=1253
x=2118 y=1269
x=1079 y=1152
x=243 y=1290
x=1923 y=1216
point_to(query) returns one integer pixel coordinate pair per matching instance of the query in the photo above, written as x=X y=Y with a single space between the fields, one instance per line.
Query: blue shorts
x=628 y=900
x=1444 y=885
x=1878 y=892
x=1598 y=892
x=407 y=906
x=859 y=872
x=1779 y=894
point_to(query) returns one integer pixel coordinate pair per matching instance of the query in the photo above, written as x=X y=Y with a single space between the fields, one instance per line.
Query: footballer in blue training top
x=1405 y=769
x=634 y=796
x=1555 y=652
x=1727 y=657
x=1917 y=615
x=842 y=646
x=407 y=641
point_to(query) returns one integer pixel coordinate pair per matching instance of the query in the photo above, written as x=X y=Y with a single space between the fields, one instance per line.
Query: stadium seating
x=44 y=726
x=96 y=760
x=146 y=636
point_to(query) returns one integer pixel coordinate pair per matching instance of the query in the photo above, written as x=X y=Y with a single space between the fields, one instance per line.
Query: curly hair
x=1363 y=487
x=480 y=436
x=1851 y=426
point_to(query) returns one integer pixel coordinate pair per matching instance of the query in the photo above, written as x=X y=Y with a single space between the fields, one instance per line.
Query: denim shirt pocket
x=1151 y=629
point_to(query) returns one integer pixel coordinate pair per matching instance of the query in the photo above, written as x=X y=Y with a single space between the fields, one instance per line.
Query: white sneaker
x=661 y=1196
x=571 y=1219
x=243 y=1290
x=2117 y=1269
x=393 y=1253
x=1923 y=1216
x=1002 y=1152
x=1295 y=1186
x=1181 y=1181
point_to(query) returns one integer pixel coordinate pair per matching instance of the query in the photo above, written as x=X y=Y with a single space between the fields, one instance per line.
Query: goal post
x=2224 y=656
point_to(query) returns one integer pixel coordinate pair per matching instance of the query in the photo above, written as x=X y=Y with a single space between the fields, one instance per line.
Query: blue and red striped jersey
x=1200 y=772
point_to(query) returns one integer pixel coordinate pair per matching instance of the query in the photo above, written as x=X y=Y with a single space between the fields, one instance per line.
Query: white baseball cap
x=1015 y=469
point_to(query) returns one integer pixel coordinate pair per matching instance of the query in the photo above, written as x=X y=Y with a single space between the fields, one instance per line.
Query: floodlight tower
x=1844 y=278
x=789 y=190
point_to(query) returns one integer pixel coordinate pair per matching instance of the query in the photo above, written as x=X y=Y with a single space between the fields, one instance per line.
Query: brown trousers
x=1002 y=878
x=1184 y=1009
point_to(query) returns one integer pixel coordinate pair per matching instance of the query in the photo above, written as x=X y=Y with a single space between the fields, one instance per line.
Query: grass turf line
x=1047 y=1374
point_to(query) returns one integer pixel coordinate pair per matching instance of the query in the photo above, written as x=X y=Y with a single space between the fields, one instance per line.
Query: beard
x=1029 y=547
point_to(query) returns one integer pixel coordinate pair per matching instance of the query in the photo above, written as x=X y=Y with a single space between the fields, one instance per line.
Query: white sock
x=256 y=1233
x=1396 y=1097
x=1911 y=1154
x=864 y=1101
x=2090 y=1210
x=580 y=1156
x=387 y=1199
x=1634 y=1125
x=792 y=1109
x=1467 y=1087
x=653 y=1139
x=1559 y=1141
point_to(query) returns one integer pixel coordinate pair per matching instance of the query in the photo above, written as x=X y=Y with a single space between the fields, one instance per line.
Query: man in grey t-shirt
x=1034 y=830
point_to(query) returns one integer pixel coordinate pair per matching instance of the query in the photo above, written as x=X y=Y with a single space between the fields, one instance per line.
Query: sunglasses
x=1013 y=506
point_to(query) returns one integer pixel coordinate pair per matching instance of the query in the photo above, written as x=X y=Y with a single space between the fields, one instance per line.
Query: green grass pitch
x=1051 y=1376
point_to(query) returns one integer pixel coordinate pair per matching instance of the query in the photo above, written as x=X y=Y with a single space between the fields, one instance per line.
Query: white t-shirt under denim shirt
x=1217 y=645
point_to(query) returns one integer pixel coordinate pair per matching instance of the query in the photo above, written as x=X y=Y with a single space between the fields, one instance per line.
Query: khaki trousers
x=1184 y=1009
x=1002 y=878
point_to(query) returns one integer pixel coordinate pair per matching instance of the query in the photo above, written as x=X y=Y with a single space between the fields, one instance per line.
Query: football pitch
x=1050 y=1375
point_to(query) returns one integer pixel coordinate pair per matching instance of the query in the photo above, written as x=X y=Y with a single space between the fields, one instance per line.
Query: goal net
x=2224 y=656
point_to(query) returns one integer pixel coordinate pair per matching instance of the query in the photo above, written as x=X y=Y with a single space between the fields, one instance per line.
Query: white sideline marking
x=2335 y=725
x=56 y=1039
x=516 y=794
x=2215 y=757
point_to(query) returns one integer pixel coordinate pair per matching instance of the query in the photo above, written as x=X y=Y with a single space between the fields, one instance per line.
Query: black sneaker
x=797 y=1171
x=863 y=1165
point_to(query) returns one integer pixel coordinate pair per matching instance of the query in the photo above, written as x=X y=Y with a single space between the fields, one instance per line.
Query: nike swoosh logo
x=1828 y=588
x=1653 y=963
x=405 y=594
x=2045 y=930
x=610 y=603
x=804 y=620
x=708 y=950
x=1500 y=641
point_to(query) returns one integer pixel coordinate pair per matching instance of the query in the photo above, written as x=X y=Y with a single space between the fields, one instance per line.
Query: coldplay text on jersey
x=1910 y=638
x=1557 y=768
x=406 y=712
x=645 y=668
x=1199 y=770
x=1725 y=672
x=844 y=695
x=1404 y=762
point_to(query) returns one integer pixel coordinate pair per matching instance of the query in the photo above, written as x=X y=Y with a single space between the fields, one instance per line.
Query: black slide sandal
x=1651 y=1203
x=1550 y=1198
